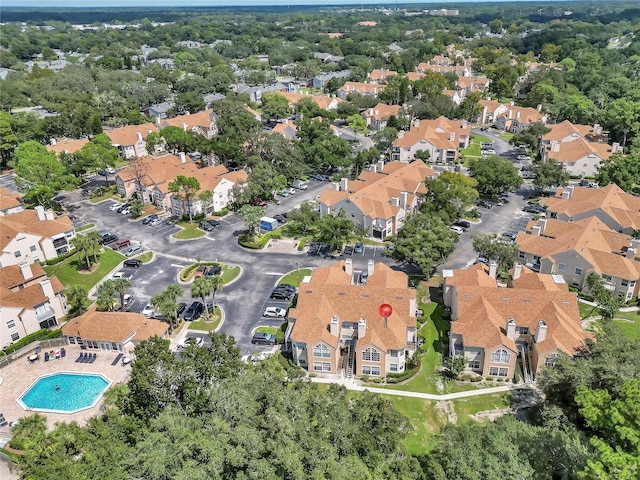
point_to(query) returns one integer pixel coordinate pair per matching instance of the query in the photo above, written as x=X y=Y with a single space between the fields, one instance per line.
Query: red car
x=258 y=202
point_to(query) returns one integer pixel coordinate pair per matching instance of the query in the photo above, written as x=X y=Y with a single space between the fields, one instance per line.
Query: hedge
x=43 y=334
x=60 y=258
x=280 y=333
x=246 y=242
x=221 y=213
x=401 y=377
x=302 y=244
x=186 y=272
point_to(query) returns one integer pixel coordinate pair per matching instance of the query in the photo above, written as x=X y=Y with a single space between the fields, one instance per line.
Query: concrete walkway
x=351 y=384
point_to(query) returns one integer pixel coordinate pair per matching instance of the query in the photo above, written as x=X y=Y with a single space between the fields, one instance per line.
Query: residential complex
x=522 y=327
x=337 y=323
x=10 y=202
x=442 y=138
x=378 y=116
x=131 y=141
x=380 y=200
x=33 y=236
x=515 y=119
x=29 y=301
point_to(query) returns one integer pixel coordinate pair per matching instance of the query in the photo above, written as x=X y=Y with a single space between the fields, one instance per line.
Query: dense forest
x=208 y=415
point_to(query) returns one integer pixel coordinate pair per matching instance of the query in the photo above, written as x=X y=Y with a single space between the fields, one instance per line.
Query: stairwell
x=526 y=363
x=351 y=360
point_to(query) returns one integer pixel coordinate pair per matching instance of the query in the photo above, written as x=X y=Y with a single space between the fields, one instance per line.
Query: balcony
x=60 y=242
x=609 y=285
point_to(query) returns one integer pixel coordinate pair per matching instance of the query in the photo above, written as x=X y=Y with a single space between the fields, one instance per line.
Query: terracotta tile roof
x=527 y=115
x=362 y=88
x=330 y=197
x=16 y=291
x=113 y=326
x=127 y=136
x=27 y=222
x=570 y=152
x=367 y=23
x=479 y=83
x=201 y=119
x=11 y=275
x=437 y=132
x=483 y=313
x=323 y=101
x=565 y=129
x=56 y=284
x=623 y=207
x=382 y=111
x=492 y=105
x=413 y=76
x=379 y=75
x=9 y=199
x=282 y=128
x=27 y=297
x=474 y=276
x=330 y=293
x=67 y=145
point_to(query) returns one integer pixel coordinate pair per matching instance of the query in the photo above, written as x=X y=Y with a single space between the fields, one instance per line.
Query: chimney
x=371 y=265
x=542 y=223
x=380 y=166
x=183 y=157
x=635 y=243
x=597 y=129
x=539 y=107
x=333 y=326
x=570 y=190
x=510 y=113
x=565 y=195
x=47 y=288
x=555 y=146
x=416 y=123
x=631 y=253
x=348 y=266
x=395 y=201
x=518 y=114
x=184 y=126
x=401 y=134
x=614 y=147
x=25 y=269
x=344 y=184
x=139 y=136
x=512 y=103
x=511 y=328
x=40 y=212
x=517 y=270
x=493 y=269
x=53 y=141
x=404 y=200
x=541 y=332
x=452 y=136
x=373 y=168
x=464 y=124
x=49 y=215
x=362 y=327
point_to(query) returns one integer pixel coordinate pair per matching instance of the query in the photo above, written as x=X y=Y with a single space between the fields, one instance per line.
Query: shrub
x=489 y=379
x=364 y=378
x=221 y=213
x=247 y=242
x=280 y=333
x=500 y=379
x=476 y=379
x=60 y=258
x=302 y=244
x=33 y=337
x=376 y=380
x=196 y=218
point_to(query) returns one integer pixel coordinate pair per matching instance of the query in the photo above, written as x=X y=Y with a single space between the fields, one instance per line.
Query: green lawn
x=272 y=330
x=474 y=149
x=67 y=271
x=506 y=135
x=207 y=326
x=464 y=407
x=85 y=227
x=189 y=231
x=630 y=326
x=294 y=278
x=230 y=273
x=145 y=257
x=424 y=419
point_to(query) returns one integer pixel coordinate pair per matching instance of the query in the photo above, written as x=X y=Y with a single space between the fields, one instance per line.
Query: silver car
x=132 y=250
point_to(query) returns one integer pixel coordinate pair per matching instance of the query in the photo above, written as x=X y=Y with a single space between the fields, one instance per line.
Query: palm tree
x=93 y=240
x=173 y=291
x=80 y=242
x=169 y=309
x=105 y=298
x=120 y=286
x=76 y=295
x=201 y=287
x=217 y=283
x=31 y=429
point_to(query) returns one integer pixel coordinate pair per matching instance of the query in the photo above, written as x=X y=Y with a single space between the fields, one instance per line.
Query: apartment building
x=522 y=327
x=131 y=140
x=337 y=326
x=442 y=138
x=29 y=301
x=10 y=202
x=380 y=200
x=33 y=236
x=378 y=116
x=516 y=119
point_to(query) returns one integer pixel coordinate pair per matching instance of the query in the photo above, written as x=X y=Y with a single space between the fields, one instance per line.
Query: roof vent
x=528 y=300
x=309 y=291
x=341 y=293
x=506 y=299
x=566 y=302
x=366 y=295
x=399 y=297
x=468 y=295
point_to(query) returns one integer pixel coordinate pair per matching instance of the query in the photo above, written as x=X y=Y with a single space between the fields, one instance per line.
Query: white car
x=115 y=206
x=275 y=312
x=455 y=228
x=126 y=211
x=110 y=170
x=120 y=274
x=523 y=158
x=185 y=342
x=300 y=185
x=148 y=311
x=291 y=190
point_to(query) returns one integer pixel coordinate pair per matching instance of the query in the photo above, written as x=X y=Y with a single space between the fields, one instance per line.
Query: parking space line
x=274 y=274
x=178 y=266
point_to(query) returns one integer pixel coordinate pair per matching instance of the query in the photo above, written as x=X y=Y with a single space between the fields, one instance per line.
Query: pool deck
x=20 y=375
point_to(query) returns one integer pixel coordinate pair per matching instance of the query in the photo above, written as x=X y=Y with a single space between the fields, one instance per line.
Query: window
x=321 y=367
x=522 y=330
x=17 y=253
x=72 y=340
x=498 y=371
x=551 y=360
x=500 y=356
x=11 y=324
x=371 y=355
x=321 y=351
x=393 y=367
x=394 y=354
x=15 y=337
x=521 y=254
x=561 y=267
x=474 y=364
x=578 y=271
x=372 y=371
x=32 y=248
x=624 y=283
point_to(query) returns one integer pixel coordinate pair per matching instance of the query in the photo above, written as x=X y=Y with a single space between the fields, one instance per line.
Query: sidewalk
x=350 y=384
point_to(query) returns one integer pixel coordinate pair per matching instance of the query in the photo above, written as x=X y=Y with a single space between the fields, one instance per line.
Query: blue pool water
x=64 y=392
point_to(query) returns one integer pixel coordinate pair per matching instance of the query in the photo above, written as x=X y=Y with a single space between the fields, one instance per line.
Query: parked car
x=202 y=269
x=109 y=238
x=132 y=263
x=258 y=202
x=523 y=158
x=206 y=226
x=484 y=204
x=126 y=211
x=463 y=224
x=122 y=207
x=280 y=218
x=510 y=235
x=150 y=218
x=115 y=206
x=300 y=185
x=481 y=259
x=358 y=248
x=280 y=294
x=287 y=287
x=119 y=274
x=283 y=193
x=185 y=342
x=133 y=250
x=181 y=308
x=118 y=244
x=291 y=190
x=456 y=229
x=275 y=312
x=214 y=223
x=213 y=270
x=194 y=311
x=154 y=222
x=263 y=339
x=148 y=311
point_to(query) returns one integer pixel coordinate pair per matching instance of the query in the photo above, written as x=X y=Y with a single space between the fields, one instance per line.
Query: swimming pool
x=64 y=392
